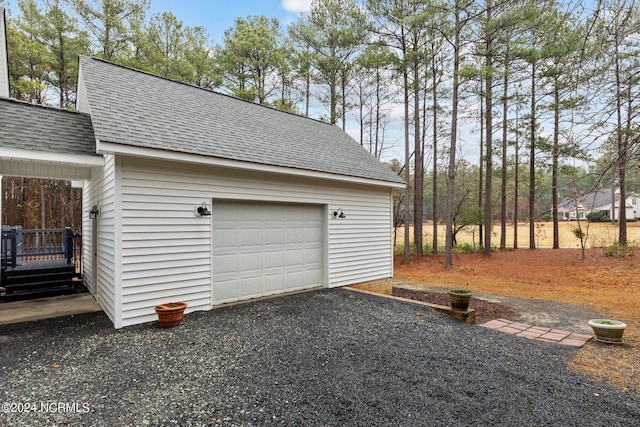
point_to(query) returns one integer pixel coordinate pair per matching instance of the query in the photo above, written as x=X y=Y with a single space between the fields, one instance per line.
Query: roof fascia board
x=44 y=156
x=128 y=150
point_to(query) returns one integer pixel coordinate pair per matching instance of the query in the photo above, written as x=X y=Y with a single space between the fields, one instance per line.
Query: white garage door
x=265 y=249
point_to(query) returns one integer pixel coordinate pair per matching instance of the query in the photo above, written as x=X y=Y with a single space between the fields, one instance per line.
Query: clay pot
x=459 y=299
x=170 y=314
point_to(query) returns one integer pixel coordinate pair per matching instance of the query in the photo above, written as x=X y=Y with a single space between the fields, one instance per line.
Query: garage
x=264 y=249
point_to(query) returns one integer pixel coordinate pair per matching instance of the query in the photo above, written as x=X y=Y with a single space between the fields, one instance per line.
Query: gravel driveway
x=330 y=357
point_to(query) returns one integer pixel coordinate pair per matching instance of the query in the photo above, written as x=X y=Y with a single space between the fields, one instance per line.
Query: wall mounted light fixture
x=94 y=212
x=338 y=214
x=202 y=210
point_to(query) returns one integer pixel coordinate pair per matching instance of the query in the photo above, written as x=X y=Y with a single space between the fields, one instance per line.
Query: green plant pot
x=607 y=330
x=459 y=299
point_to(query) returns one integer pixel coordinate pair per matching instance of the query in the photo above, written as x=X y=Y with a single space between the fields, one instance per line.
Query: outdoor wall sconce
x=202 y=210
x=338 y=214
x=93 y=213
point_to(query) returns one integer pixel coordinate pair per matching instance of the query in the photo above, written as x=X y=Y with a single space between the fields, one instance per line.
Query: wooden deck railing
x=23 y=245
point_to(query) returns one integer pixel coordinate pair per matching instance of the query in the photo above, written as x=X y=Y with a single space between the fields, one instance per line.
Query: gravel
x=332 y=358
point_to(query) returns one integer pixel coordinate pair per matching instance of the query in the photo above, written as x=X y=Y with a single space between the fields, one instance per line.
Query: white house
x=605 y=200
x=295 y=203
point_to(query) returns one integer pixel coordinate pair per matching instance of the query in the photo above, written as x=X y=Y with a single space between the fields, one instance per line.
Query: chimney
x=4 y=61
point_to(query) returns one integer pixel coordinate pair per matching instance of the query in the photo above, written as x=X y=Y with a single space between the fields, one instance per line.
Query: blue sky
x=218 y=15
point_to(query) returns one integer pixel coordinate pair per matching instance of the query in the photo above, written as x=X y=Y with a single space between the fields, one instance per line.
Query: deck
x=40 y=263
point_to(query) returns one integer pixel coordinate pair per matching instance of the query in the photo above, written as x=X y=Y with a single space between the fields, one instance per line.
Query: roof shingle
x=139 y=109
x=39 y=128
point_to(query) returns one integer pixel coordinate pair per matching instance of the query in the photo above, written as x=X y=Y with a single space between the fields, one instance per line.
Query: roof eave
x=82 y=160
x=114 y=148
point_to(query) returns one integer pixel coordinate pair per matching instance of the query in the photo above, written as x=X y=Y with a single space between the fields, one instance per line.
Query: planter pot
x=608 y=331
x=170 y=314
x=460 y=299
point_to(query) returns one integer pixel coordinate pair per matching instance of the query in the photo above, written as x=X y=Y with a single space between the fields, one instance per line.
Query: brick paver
x=537 y=332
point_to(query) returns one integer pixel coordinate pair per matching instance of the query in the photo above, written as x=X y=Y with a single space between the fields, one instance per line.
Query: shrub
x=597 y=216
x=579 y=233
x=465 y=248
x=620 y=251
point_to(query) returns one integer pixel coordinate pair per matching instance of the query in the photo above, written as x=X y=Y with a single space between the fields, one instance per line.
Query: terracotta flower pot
x=170 y=314
x=460 y=298
x=608 y=331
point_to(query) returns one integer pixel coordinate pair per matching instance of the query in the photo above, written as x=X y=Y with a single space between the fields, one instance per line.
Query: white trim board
x=149 y=153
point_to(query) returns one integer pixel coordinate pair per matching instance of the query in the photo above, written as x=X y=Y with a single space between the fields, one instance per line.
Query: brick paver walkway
x=537 y=332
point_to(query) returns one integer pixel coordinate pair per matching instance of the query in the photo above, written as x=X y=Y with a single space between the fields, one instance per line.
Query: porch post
x=1 y=213
x=68 y=245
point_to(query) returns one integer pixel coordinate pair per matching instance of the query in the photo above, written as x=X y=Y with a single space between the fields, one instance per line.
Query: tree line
x=544 y=91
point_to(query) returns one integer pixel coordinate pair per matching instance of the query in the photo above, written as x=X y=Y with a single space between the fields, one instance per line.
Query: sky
x=218 y=15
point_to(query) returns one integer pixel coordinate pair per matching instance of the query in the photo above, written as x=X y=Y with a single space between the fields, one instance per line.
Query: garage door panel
x=251 y=287
x=251 y=262
x=274 y=236
x=226 y=238
x=295 y=235
x=311 y=274
x=226 y=264
x=295 y=278
x=312 y=256
x=265 y=249
x=250 y=236
x=226 y=290
x=273 y=259
x=274 y=283
x=225 y=212
x=313 y=234
x=295 y=258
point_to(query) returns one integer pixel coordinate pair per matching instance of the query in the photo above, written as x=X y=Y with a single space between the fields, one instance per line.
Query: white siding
x=100 y=191
x=82 y=103
x=4 y=66
x=166 y=249
x=91 y=192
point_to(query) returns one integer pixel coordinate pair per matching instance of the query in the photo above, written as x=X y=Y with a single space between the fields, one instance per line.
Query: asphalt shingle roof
x=592 y=200
x=39 y=128
x=139 y=109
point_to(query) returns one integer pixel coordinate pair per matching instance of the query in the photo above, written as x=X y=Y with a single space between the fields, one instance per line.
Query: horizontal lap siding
x=361 y=243
x=166 y=249
x=107 y=261
x=100 y=190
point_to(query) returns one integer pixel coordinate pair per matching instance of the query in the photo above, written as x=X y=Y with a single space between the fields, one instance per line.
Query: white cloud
x=296 y=6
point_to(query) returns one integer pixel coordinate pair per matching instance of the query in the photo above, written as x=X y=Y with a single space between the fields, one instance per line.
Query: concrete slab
x=46 y=308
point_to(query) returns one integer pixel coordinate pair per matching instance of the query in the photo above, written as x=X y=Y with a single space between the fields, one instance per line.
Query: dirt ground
x=599 y=283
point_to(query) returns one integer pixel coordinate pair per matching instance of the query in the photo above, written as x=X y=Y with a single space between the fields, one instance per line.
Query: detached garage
x=209 y=199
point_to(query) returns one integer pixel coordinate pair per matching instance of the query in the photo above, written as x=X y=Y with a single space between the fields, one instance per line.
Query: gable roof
x=32 y=127
x=134 y=108
x=590 y=201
